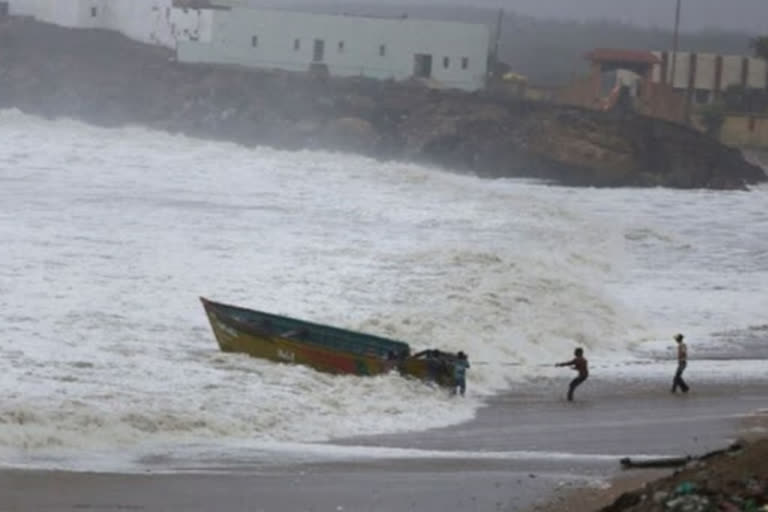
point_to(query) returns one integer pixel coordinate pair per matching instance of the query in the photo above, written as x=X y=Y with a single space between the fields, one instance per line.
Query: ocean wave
x=112 y=234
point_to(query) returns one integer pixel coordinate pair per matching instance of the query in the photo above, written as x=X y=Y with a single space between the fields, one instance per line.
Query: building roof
x=613 y=55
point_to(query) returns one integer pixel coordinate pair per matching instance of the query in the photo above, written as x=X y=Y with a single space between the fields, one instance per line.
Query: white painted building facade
x=446 y=54
x=451 y=55
x=149 y=21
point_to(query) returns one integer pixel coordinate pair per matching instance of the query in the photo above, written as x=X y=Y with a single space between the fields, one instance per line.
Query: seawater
x=109 y=236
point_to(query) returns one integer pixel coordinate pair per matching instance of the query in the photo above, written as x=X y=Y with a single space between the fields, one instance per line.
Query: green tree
x=760 y=46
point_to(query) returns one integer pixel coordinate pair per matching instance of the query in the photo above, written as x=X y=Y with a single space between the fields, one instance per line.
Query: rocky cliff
x=102 y=78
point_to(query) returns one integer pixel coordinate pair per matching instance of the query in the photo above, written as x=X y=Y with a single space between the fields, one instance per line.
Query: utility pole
x=497 y=38
x=675 y=43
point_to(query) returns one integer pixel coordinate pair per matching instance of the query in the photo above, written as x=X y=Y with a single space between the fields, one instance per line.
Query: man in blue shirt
x=460 y=373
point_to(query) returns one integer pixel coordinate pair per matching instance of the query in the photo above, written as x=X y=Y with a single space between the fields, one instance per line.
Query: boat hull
x=253 y=333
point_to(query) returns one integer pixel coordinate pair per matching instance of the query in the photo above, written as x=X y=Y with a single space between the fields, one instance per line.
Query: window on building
x=94 y=12
x=255 y=41
x=382 y=50
x=341 y=46
x=446 y=62
x=296 y=45
x=464 y=62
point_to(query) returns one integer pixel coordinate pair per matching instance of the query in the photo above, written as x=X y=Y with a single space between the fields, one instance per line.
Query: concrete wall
x=682 y=70
x=583 y=91
x=661 y=101
x=353 y=46
x=758 y=74
x=705 y=76
x=706 y=70
x=745 y=131
x=148 y=21
x=731 y=71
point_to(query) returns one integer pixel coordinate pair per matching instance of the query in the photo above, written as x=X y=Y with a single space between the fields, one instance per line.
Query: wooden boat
x=325 y=348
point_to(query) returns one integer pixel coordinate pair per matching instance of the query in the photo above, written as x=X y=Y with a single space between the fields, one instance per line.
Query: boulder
x=349 y=134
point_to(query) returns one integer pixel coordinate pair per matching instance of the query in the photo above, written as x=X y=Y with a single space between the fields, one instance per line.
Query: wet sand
x=520 y=451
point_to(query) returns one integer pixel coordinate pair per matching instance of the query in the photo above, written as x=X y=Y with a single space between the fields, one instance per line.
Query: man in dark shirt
x=578 y=363
x=682 y=362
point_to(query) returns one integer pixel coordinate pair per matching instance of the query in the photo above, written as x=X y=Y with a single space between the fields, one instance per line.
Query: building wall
x=682 y=69
x=582 y=91
x=732 y=65
x=705 y=76
x=661 y=101
x=353 y=46
x=148 y=21
x=156 y=21
x=745 y=131
x=706 y=69
x=757 y=78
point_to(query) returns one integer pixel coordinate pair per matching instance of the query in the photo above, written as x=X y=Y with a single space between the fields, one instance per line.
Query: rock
x=359 y=103
x=688 y=503
x=623 y=502
x=349 y=133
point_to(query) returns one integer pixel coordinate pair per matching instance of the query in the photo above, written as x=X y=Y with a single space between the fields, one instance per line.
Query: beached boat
x=325 y=348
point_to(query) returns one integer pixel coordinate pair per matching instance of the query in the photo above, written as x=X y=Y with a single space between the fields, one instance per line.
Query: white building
x=447 y=54
x=451 y=54
x=149 y=21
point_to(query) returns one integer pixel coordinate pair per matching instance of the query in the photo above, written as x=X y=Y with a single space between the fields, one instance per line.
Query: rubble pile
x=731 y=481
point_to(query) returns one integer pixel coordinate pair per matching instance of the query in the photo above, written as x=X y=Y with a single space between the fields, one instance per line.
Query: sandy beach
x=526 y=450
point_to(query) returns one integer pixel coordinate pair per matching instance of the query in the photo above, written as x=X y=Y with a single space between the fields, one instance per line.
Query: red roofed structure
x=611 y=59
x=616 y=55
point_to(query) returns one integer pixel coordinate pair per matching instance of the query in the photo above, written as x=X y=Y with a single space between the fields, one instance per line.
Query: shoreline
x=752 y=434
x=521 y=451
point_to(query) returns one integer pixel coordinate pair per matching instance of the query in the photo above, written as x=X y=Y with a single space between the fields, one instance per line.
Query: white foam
x=109 y=237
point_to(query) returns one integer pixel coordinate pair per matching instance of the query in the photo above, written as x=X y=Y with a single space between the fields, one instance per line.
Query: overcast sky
x=743 y=15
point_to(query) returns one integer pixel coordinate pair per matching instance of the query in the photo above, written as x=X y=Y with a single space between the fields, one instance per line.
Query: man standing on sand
x=682 y=362
x=578 y=363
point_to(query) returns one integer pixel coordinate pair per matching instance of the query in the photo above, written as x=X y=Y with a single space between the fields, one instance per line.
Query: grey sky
x=743 y=15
